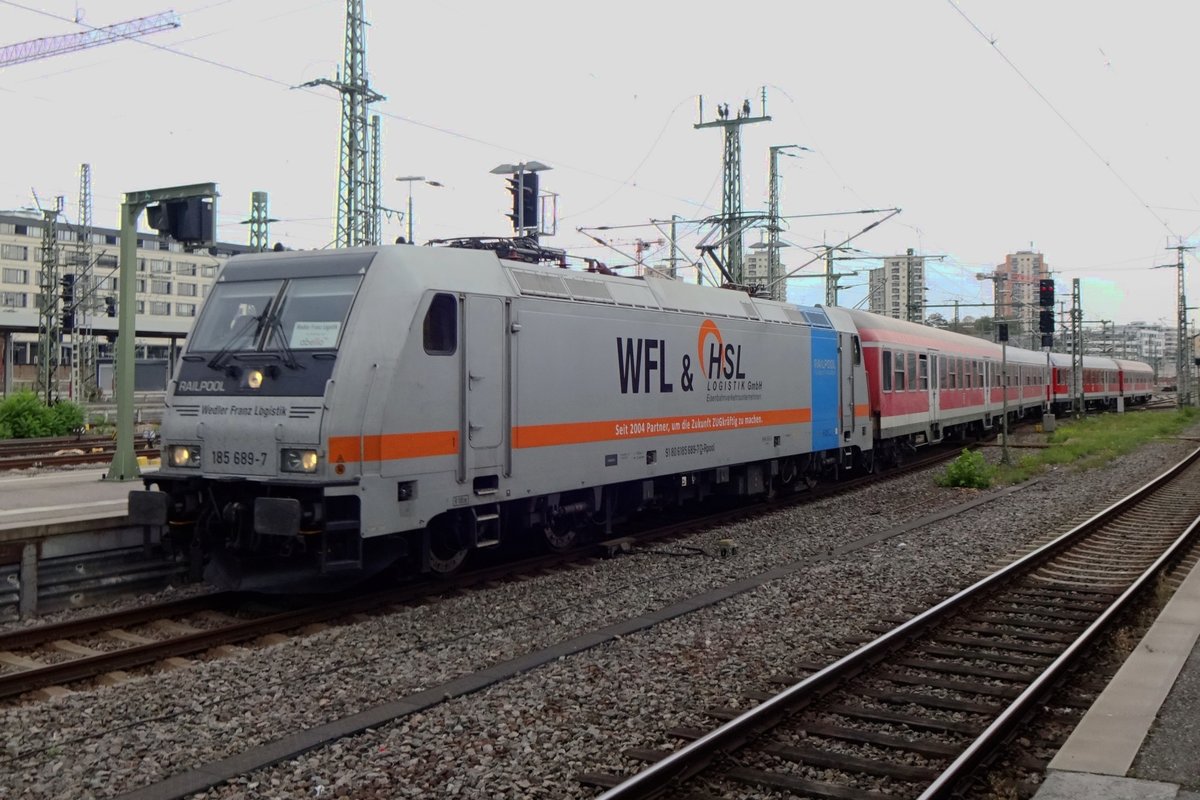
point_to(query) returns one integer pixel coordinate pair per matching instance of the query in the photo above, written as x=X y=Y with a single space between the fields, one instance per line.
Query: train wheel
x=447 y=551
x=561 y=535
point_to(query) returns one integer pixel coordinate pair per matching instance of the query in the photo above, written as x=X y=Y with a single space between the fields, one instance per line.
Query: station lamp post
x=410 y=180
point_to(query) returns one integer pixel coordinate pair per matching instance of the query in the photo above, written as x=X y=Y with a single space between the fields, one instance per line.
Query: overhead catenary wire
x=559 y=163
x=1079 y=135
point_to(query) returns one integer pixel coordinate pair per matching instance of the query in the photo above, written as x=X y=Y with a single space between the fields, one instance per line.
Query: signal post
x=186 y=214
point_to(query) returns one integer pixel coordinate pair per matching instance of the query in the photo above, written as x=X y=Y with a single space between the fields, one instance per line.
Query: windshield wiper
x=276 y=330
x=217 y=361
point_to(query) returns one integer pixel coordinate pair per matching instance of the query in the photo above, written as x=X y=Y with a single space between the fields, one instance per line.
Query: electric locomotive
x=338 y=411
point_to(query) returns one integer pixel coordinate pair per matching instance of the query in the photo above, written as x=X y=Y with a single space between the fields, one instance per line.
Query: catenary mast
x=354 y=195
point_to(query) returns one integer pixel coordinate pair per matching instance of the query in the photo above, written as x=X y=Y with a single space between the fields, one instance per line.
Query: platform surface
x=52 y=496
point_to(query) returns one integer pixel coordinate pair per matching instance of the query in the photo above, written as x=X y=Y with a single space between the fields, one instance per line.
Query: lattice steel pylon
x=731 y=193
x=259 y=222
x=84 y=351
x=49 y=332
x=376 y=217
x=354 y=211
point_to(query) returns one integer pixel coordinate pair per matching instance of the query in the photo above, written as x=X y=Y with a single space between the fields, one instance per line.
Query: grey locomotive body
x=334 y=410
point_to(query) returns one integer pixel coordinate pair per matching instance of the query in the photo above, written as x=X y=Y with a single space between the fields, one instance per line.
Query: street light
x=410 y=180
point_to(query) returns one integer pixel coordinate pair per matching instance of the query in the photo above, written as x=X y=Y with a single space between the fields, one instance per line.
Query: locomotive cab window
x=857 y=346
x=441 y=326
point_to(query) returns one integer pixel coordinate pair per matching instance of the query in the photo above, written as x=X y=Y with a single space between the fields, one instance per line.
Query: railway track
x=912 y=713
x=51 y=657
x=63 y=451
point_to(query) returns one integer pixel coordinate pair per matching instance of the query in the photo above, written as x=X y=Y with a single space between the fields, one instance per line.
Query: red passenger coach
x=1136 y=381
x=1104 y=381
x=927 y=384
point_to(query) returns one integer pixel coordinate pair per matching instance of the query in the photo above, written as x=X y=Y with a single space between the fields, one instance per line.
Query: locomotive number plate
x=256 y=462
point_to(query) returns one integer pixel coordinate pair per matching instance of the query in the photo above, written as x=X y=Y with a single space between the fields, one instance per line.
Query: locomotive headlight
x=296 y=460
x=254 y=378
x=184 y=455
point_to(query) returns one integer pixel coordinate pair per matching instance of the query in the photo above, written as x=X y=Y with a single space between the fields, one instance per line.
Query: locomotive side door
x=483 y=381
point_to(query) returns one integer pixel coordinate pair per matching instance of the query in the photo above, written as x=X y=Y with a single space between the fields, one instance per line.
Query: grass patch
x=1095 y=441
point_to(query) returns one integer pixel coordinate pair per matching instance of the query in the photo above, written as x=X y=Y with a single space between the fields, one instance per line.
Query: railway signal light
x=68 y=321
x=68 y=289
x=524 y=189
x=1046 y=293
x=1047 y=340
x=189 y=220
x=110 y=306
x=1046 y=321
x=1002 y=332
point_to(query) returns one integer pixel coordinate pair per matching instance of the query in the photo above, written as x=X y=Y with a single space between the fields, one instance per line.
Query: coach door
x=936 y=366
x=484 y=368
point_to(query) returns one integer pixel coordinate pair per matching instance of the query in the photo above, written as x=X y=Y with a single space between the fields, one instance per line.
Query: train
x=338 y=413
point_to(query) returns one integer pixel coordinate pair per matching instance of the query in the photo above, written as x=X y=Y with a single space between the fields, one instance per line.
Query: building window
x=185 y=309
x=141 y=307
x=204 y=290
x=141 y=265
x=159 y=308
x=106 y=261
x=160 y=287
x=141 y=285
x=187 y=290
x=160 y=267
x=185 y=268
x=14 y=300
x=14 y=252
x=16 y=275
x=208 y=271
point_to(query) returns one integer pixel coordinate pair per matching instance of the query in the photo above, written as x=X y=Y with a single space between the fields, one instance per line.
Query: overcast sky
x=903 y=104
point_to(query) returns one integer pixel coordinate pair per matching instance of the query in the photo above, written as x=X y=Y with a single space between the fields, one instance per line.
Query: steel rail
x=690 y=759
x=996 y=733
x=41 y=634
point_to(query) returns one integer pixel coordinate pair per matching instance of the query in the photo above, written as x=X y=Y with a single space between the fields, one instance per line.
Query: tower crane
x=48 y=46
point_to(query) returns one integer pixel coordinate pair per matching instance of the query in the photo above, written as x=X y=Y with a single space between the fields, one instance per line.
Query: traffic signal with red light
x=1046 y=293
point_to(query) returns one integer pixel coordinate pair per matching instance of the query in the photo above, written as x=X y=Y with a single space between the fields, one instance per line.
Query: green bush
x=23 y=416
x=969 y=470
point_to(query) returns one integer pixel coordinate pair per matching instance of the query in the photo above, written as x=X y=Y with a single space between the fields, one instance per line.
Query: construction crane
x=24 y=52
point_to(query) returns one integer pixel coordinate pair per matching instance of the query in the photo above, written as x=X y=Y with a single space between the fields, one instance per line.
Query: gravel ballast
x=530 y=736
